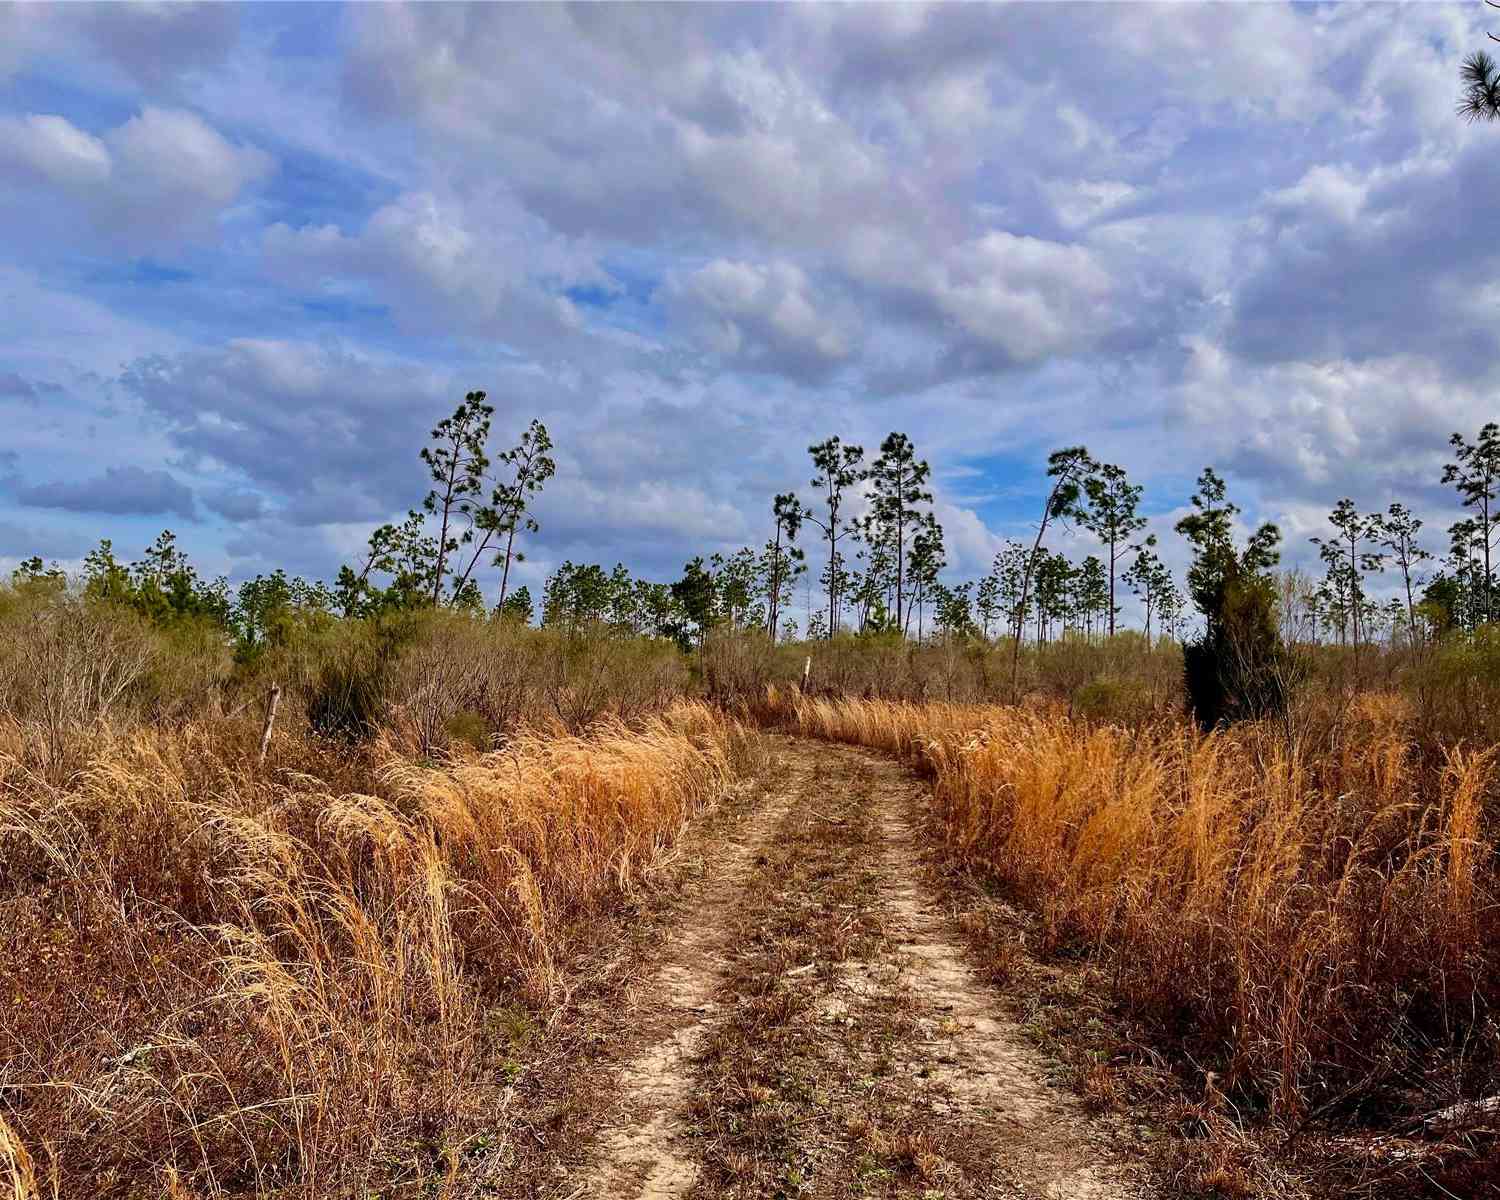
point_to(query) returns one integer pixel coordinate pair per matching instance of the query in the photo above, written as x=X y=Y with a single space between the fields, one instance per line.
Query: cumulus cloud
x=235 y=504
x=1357 y=263
x=332 y=430
x=766 y=315
x=153 y=42
x=1024 y=296
x=119 y=491
x=147 y=44
x=162 y=174
x=51 y=150
x=421 y=255
x=1374 y=429
x=174 y=159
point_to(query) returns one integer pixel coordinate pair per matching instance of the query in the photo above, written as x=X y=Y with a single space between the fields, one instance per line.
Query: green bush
x=348 y=698
x=470 y=728
x=1455 y=686
x=1122 y=701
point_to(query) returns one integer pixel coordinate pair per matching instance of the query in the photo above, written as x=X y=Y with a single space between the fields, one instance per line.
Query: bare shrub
x=67 y=666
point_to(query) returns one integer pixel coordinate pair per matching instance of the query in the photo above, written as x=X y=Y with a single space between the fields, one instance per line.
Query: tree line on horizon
x=882 y=557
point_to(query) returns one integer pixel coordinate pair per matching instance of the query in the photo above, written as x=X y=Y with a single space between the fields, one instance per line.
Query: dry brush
x=221 y=980
x=1319 y=922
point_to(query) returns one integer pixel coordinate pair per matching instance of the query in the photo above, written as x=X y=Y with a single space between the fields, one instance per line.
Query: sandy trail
x=645 y=1150
x=972 y=1074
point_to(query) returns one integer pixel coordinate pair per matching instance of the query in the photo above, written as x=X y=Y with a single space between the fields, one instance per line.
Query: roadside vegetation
x=223 y=978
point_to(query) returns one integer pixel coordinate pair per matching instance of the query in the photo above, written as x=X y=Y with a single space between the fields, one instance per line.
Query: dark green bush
x=1239 y=670
x=348 y=700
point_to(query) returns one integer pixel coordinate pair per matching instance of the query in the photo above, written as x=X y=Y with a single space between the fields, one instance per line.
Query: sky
x=248 y=256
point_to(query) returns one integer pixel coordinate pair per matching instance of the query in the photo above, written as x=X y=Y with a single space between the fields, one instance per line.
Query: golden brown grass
x=221 y=980
x=1318 y=922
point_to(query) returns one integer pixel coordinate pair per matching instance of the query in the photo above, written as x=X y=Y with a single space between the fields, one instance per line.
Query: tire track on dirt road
x=644 y=1149
x=975 y=1061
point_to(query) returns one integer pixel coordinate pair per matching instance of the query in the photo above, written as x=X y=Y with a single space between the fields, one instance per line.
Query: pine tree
x=1475 y=473
x=838 y=468
x=1480 y=98
x=1112 y=515
x=1238 y=669
x=924 y=561
x=518 y=606
x=987 y=603
x=1398 y=533
x=695 y=595
x=1347 y=557
x=951 y=606
x=1144 y=577
x=1091 y=587
x=898 y=481
x=1067 y=469
x=529 y=466
x=783 y=562
x=457 y=464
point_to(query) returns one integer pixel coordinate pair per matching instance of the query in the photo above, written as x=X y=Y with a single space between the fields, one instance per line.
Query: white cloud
x=1327 y=190
x=928 y=218
x=425 y=258
x=1024 y=295
x=52 y=150
x=1079 y=202
x=767 y=315
x=173 y=163
x=164 y=174
x=147 y=43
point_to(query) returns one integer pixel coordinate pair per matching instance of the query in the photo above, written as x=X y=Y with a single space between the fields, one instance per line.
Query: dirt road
x=813 y=1028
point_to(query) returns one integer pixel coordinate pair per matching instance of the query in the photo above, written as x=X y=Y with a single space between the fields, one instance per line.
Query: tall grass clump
x=222 y=979
x=1321 y=923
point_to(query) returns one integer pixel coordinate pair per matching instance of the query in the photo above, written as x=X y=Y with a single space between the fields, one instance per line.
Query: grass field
x=399 y=964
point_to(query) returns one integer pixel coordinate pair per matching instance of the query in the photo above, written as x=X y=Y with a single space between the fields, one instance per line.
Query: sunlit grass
x=1313 y=917
x=222 y=979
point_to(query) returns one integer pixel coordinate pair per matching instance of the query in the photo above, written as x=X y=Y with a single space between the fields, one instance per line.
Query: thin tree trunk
x=1411 y=610
x=1015 y=657
x=442 y=555
x=775 y=583
x=1112 y=588
x=510 y=543
x=833 y=551
x=1488 y=589
x=900 y=554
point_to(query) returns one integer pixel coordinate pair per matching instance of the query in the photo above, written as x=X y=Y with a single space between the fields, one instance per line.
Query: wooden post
x=265 y=734
x=806 y=670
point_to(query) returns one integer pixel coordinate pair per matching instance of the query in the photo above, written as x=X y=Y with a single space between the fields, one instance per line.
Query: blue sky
x=249 y=255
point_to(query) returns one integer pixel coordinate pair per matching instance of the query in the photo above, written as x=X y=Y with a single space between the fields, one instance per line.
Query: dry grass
x=225 y=981
x=1317 y=923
